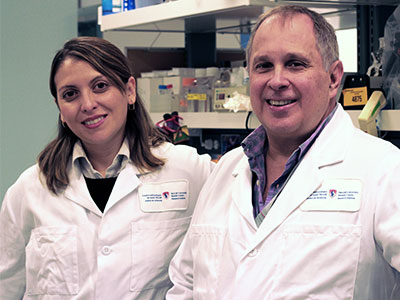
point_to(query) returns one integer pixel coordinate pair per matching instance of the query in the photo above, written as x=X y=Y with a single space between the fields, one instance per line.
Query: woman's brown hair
x=107 y=59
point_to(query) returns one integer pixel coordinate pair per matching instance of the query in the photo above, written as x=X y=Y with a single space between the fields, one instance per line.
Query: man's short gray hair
x=324 y=33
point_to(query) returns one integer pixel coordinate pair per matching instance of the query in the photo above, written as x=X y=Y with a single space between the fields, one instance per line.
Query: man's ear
x=335 y=76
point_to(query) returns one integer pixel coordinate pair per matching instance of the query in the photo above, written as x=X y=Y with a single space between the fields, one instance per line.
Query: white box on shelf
x=185 y=72
x=161 y=103
x=148 y=88
x=175 y=81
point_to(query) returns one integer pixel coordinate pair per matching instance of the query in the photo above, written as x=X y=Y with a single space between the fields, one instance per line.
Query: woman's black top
x=100 y=189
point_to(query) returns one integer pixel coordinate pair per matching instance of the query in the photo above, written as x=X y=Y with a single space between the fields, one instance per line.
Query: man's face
x=289 y=87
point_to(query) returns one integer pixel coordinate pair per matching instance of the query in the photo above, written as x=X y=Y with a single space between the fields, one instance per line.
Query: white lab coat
x=332 y=234
x=73 y=251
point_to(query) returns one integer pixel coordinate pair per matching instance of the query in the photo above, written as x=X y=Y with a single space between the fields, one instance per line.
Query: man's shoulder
x=371 y=144
x=232 y=156
x=233 y=160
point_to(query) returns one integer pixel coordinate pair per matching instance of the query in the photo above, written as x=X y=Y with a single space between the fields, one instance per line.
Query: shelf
x=182 y=9
x=173 y=10
x=390 y=119
x=216 y=120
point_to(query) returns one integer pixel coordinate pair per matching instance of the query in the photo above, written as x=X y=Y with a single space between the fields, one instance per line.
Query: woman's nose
x=88 y=102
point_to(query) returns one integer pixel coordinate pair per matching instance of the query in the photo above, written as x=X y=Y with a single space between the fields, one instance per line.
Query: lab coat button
x=106 y=250
x=253 y=252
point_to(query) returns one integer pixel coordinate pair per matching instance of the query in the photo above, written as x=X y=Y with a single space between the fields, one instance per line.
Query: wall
x=30 y=34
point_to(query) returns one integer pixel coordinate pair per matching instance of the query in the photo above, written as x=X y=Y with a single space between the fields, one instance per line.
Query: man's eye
x=263 y=66
x=296 y=64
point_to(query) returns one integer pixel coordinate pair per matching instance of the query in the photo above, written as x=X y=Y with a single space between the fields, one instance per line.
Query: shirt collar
x=256 y=143
x=303 y=148
x=82 y=163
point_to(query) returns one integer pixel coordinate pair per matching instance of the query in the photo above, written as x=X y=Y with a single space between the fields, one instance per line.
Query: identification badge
x=164 y=196
x=335 y=195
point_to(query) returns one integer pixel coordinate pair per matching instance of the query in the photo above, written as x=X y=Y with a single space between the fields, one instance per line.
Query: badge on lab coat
x=335 y=195
x=164 y=196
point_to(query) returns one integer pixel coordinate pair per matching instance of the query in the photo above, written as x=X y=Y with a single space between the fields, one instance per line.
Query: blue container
x=107 y=7
x=111 y=6
x=128 y=5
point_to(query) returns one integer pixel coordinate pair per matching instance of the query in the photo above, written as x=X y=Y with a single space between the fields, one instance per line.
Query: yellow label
x=355 y=96
x=201 y=97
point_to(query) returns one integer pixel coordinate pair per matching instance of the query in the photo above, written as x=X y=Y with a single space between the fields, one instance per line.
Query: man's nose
x=279 y=79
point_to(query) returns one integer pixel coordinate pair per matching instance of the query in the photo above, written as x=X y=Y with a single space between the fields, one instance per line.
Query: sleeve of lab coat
x=387 y=212
x=181 y=272
x=12 y=251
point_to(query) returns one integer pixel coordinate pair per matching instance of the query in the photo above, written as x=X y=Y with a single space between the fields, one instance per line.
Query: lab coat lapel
x=126 y=182
x=242 y=191
x=296 y=191
x=78 y=192
x=329 y=149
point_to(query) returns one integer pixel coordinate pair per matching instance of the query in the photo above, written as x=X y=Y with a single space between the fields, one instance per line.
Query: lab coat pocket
x=207 y=244
x=317 y=262
x=52 y=261
x=153 y=245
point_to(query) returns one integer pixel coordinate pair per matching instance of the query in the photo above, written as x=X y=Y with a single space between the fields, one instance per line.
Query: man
x=309 y=208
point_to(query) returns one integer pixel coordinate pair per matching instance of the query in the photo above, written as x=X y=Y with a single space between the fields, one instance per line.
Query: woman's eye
x=69 y=95
x=100 y=86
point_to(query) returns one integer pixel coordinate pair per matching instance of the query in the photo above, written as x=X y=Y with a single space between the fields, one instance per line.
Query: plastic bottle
x=128 y=5
x=111 y=6
x=107 y=7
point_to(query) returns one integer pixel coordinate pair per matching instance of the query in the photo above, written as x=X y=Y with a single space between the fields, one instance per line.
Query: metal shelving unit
x=183 y=9
x=229 y=120
x=187 y=9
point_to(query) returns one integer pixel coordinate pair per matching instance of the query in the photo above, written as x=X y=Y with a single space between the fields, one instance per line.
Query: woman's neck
x=101 y=157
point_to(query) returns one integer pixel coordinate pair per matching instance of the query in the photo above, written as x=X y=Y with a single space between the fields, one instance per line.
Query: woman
x=107 y=205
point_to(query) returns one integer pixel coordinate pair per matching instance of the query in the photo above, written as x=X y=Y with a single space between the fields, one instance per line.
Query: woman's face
x=93 y=108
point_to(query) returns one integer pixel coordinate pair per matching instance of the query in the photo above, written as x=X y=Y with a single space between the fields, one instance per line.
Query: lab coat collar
x=242 y=190
x=329 y=149
x=78 y=192
x=131 y=177
x=332 y=145
x=128 y=180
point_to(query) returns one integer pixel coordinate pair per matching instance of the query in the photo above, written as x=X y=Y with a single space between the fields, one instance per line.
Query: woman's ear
x=131 y=90
x=335 y=75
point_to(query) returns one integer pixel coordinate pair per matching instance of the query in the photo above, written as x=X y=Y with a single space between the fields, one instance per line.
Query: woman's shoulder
x=170 y=150
x=32 y=172
x=181 y=154
x=28 y=178
x=28 y=181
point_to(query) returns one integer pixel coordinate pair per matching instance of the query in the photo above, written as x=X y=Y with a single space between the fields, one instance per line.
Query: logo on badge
x=165 y=195
x=332 y=193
